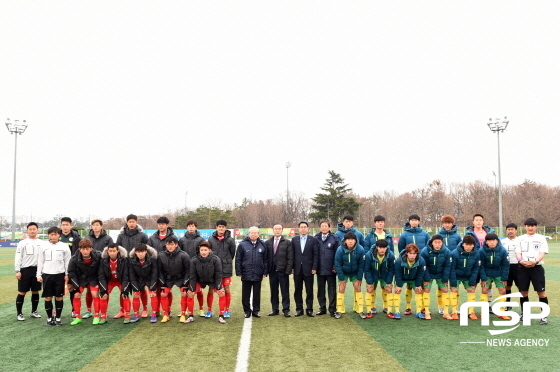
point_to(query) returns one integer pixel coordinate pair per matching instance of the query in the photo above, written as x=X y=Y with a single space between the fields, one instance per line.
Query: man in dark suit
x=280 y=264
x=306 y=261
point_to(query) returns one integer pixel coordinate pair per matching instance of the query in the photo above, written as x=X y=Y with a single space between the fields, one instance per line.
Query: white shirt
x=531 y=246
x=53 y=258
x=27 y=253
x=509 y=245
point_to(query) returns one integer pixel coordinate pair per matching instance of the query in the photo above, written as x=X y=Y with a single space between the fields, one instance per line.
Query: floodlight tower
x=499 y=126
x=288 y=165
x=15 y=128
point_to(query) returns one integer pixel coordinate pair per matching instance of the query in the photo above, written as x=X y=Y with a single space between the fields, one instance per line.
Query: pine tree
x=334 y=203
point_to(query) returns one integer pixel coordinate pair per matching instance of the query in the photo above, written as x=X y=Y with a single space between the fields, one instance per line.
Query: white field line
x=244 y=344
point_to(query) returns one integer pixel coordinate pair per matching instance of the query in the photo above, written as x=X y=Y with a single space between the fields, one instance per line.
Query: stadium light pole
x=288 y=165
x=15 y=128
x=497 y=126
x=186 y=192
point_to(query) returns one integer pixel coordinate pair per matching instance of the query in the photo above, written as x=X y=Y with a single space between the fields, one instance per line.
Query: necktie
x=275 y=245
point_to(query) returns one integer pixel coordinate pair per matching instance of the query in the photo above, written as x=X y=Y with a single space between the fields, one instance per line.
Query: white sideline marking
x=244 y=344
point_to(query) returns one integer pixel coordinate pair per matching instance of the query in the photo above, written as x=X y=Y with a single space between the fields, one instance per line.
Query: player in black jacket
x=113 y=272
x=143 y=273
x=173 y=269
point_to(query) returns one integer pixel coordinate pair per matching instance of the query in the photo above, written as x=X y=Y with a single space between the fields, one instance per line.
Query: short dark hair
x=469 y=239
x=477 y=215
x=350 y=235
x=97 y=221
x=512 y=225
x=113 y=245
x=491 y=236
x=66 y=219
x=221 y=222
x=205 y=243
x=192 y=222
x=163 y=219
x=327 y=222
x=306 y=224
x=530 y=222
x=85 y=243
x=54 y=229
x=141 y=247
x=382 y=243
x=32 y=224
x=348 y=217
x=131 y=217
x=378 y=218
x=414 y=217
x=171 y=238
x=437 y=237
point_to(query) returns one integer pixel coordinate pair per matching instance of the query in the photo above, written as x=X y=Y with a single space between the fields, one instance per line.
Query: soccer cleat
x=508 y=308
x=190 y=319
x=420 y=315
x=428 y=316
x=20 y=317
x=120 y=314
x=165 y=319
x=440 y=311
x=58 y=322
x=144 y=313
x=227 y=314
x=391 y=315
x=447 y=316
x=153 y=319
x=35 y=315
x=473 y=316
x=182 y=319
x=201 y=313
x=385 y=310
x=95 y=320
x=362 y=315
x=208 y=314
x=374 y=310
x=337 y=315
x=397 y=316
x=369 y=315
x=221 y=319
x=87 y=315
x=408 y=312
x=543 y=321
x=103 y=321
x=135 y=319
x=126 y=320
x=50 y=322
x=454 y=316
x=504 y=317
x=76 y=321
x=73 y=314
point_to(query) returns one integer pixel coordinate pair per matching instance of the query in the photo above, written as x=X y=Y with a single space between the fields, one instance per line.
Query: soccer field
x=276 y=343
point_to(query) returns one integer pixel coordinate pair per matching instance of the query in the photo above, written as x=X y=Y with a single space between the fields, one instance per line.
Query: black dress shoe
x=299 y=313
x=287 y=314
x=256 y=314
x=310 y=313
x=321 y=312
x=276 y=312
x=332 y=314
x=247 y=314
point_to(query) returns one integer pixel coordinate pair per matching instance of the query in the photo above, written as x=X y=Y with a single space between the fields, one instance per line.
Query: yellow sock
x=471 y=297
x=355 y=307
x=384 y=298
x=408 y=297
x=369 y=301
x=502 y=300
x=374 y=293
x=440 y=302
x=359 y=302
x=445 y=302
x=419 y=302
x=426 y=301
x=483 y=297
x=340 y=302
x=389 y=300
x=453 y=302
x=397 y=302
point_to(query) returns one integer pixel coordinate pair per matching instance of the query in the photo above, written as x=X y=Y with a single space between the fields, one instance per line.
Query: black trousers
x=246 y=288
x=299 y=280
x=322 y=282
x=279 y=279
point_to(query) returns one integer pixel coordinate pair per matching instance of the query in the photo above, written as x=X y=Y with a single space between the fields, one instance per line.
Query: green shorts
x=350 y=279
x=379 y=282
x=411 y=283
x=497 y=281
x=438 y=282
x=465 y=284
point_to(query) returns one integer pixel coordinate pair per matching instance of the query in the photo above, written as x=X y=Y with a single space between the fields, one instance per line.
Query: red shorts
x=226 y=281
x=199 y=289
x=91 y=288
x=168 y=290
x=112 y=285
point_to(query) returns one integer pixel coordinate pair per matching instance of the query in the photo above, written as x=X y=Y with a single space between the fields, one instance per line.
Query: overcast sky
x=130 y=104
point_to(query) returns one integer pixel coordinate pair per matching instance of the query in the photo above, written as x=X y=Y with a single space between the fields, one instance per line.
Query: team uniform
x=72 y=239
x=530 y=247
x=205 y=271
x=142 y=275
x=52 y=266
x=25 y=262
x=494 y=267
x=189 y=243
x=173 y=269
x=479 y=236
x=349 y=266
x=83 y=273
x=372 y=237
x=438 y=266
x=341 y=231
x=114 y=274
x=379 y=270
x=465 y=268
x=411 y=274
x=223 y=247
x=99 y=242
x=510 y=245
x=451 y=238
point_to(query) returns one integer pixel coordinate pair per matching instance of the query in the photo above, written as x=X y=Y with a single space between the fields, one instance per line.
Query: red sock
x=222 y=302
x=121 y=303
x=89 y=300
x=228 y=299
x=155 y=305
x=126 y=306
x=210 y=299
x=183 y=304
x=165 y=305
x=103 y=304
x=190 y=305
x=144 y=297
x=77 y=304
x=96 y=306
x=200 y=298
x=136 y=302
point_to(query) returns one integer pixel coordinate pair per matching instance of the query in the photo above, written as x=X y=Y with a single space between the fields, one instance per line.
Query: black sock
x=522 y=301
x=508 y=291
x=543 y=299
x=48 y=308
x=34 y=302
x=72 y=300
x=59 y=305
x=19 y=303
